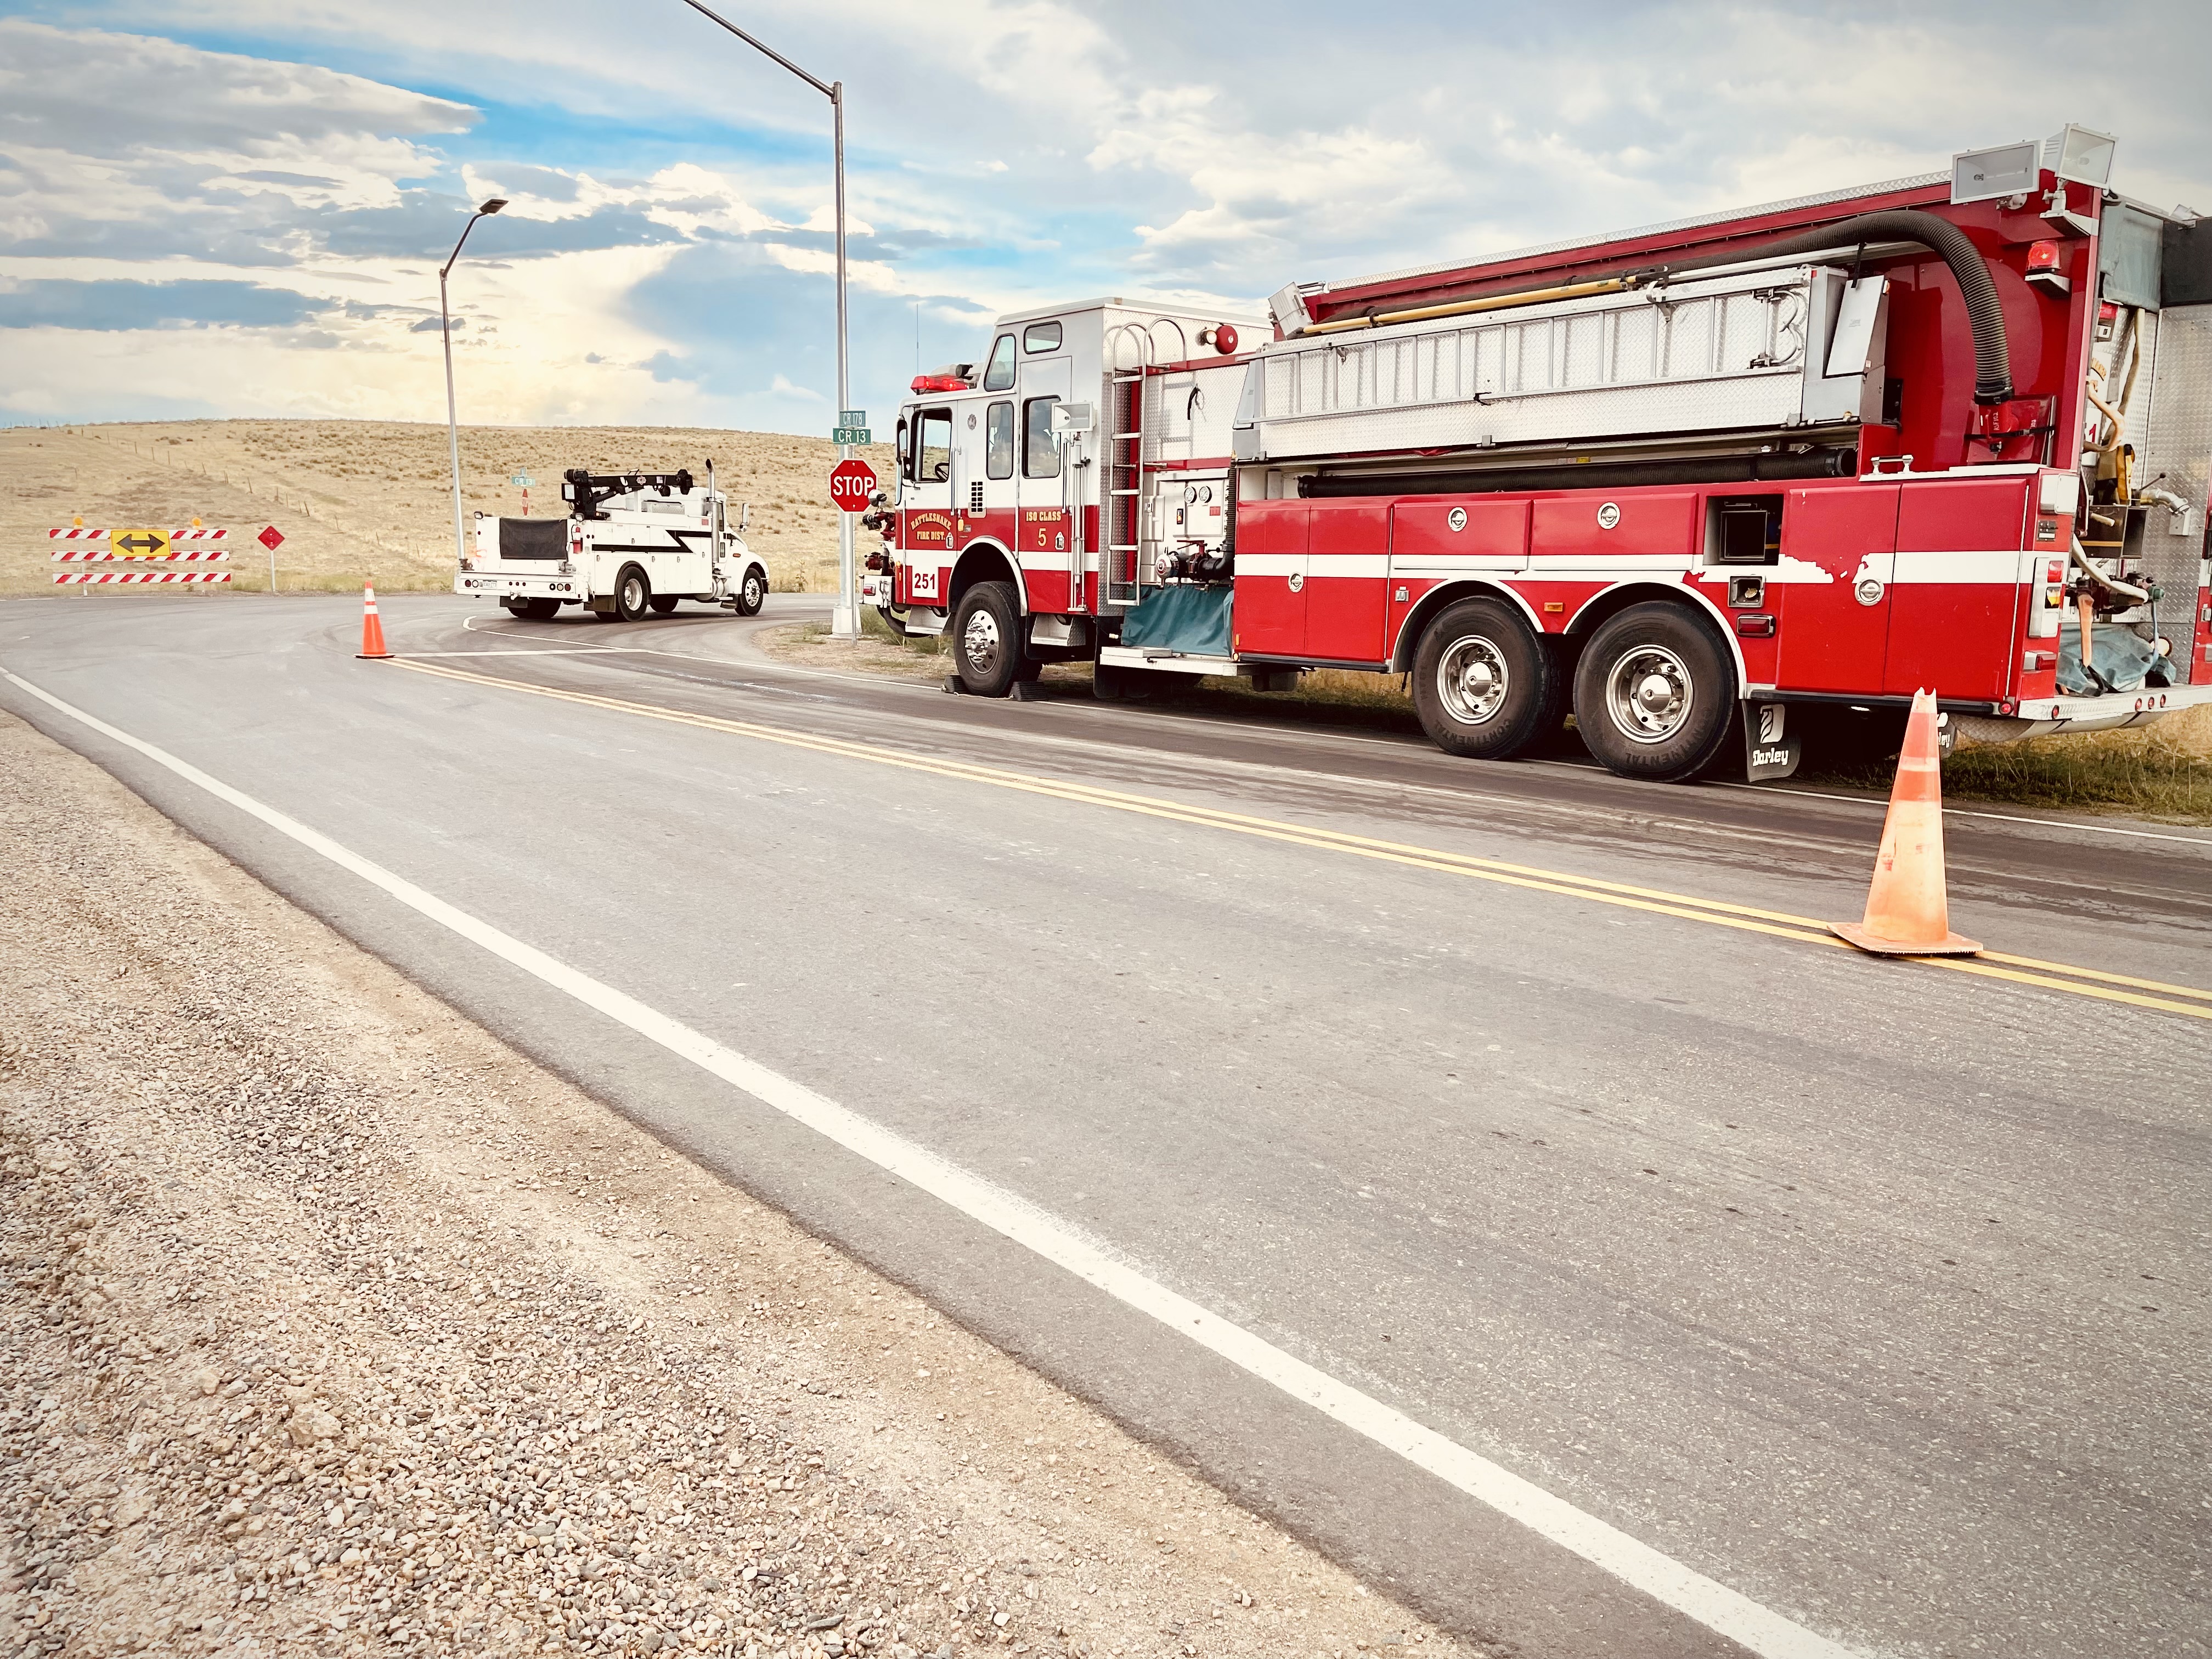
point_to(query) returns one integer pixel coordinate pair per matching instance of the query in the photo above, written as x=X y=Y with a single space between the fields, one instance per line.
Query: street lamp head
x=492 y=204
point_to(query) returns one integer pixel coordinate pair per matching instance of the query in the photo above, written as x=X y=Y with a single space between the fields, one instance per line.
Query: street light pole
x=844 y=620
x=445 y=333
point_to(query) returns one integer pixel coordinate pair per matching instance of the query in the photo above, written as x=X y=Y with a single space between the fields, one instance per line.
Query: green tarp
x=1191 y=620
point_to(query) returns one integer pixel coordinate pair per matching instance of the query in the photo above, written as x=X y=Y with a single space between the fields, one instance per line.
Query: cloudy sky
x=238 y=206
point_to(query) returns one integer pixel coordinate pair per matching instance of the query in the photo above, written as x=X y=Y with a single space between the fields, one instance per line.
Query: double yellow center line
x=1990 y=964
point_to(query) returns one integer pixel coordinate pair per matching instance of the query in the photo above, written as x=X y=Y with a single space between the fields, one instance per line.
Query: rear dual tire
x=1655 y=689
x=1655 y=693
x=1484 y=686
x=632 y=598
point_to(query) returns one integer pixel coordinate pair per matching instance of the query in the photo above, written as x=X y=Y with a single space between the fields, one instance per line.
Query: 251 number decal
x=925 y=583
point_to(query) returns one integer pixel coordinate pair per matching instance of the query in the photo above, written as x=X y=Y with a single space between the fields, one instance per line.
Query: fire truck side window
x=1000 y=376
x=932 y=449
x=1039 y=449
x=999 y=434
x=1041 y=336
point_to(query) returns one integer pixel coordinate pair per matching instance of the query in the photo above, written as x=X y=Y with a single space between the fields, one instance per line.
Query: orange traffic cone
x=1907 y=912
x=372 y=630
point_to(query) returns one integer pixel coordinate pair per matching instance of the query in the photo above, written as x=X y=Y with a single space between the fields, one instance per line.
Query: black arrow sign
x=148 y=543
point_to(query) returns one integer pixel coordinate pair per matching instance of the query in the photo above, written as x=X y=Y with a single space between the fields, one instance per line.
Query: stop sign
x=851 y=483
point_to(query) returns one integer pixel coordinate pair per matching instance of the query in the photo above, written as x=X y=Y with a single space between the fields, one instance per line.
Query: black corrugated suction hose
x=1992 y=361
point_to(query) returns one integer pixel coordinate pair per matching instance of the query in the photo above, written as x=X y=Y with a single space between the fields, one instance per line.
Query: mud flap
x=1770 y=750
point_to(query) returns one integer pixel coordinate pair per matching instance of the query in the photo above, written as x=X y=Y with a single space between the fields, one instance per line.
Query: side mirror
x=744 y=515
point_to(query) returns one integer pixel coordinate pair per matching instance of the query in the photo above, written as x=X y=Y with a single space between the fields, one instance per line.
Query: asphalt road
x=1873 y=1292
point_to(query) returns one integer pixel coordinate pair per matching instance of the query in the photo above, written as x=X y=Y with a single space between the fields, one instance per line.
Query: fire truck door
x=1838 y=556
x=925 y=505
x=1043 y=531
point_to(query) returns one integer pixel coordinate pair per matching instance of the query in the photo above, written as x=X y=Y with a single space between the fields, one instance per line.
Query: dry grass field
x=357 y=499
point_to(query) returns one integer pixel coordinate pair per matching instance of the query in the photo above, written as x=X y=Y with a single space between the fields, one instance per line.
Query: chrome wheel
x=755 y=590
x=980 y=642
x=633 y=594
x=1472 y=680
x=1649 y=695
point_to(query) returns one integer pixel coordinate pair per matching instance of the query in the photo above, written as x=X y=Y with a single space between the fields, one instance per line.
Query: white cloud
x=1139 y=149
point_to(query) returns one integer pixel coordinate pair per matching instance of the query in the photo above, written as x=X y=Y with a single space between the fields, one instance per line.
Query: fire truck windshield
x=1000 y=376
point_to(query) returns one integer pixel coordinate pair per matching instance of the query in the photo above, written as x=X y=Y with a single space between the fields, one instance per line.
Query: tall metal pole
x=445 y=333
x=452 y=423
x=845 y=624
x=844 y=620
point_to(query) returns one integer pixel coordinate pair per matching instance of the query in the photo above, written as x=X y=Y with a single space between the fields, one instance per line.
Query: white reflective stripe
x=1428 y=564
x=1992 y=566
x=1348 y=564
x=1606 y=570
x=1995 y=566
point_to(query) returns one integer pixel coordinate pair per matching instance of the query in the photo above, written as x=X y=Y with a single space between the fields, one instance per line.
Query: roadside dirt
x=330 y=1326
x=809 y=644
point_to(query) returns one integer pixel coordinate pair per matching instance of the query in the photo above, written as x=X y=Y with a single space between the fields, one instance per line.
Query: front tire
x=752 y=592
x=633 y=594
x=1654 y=694
x=1484 y=684
x=987 y=640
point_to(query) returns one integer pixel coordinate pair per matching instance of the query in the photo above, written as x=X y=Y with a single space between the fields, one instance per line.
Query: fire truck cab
x=1715 y=487
x=1030 y=482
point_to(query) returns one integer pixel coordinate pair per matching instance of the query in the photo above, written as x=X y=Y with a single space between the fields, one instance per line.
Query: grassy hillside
x=358 y=499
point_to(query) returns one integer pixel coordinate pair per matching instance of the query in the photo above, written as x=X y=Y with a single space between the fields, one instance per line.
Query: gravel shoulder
x=332 y=1325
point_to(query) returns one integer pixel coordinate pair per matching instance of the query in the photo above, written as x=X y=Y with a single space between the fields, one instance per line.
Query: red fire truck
x=1718 y=488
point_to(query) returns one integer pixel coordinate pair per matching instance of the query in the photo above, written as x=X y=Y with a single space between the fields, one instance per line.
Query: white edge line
x=1951 y=812
x=1726 y=1612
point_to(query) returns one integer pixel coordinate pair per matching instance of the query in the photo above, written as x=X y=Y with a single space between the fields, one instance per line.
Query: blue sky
x=237 y=207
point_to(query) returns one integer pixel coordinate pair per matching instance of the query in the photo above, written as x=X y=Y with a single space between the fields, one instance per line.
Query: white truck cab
x=632 y=542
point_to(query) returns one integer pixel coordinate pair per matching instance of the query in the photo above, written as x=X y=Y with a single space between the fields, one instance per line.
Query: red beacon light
x=939 y=383
x=1221 y=337
x=2042 y=269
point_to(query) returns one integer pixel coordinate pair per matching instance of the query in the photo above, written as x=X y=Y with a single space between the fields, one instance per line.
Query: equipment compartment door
x=692 y=570
x=1347 y=581
x=1961 y=603
x=1270 y=607
x=1838 y=557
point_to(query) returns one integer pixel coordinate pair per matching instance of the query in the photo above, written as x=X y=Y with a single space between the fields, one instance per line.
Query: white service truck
x=632 y=543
